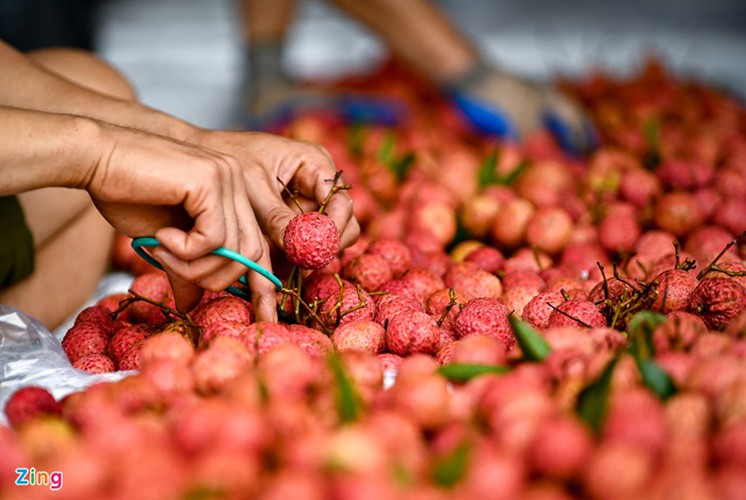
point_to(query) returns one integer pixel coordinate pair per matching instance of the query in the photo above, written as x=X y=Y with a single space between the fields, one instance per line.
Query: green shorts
x=16 y=243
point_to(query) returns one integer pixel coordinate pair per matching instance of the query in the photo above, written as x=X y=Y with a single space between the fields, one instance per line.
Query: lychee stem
x=568 y=315
x=164 y=308
x=311 y=311
x=363 y=303
x=334 y=190
x=714 y=262
x=293 y=195
x=449 y=306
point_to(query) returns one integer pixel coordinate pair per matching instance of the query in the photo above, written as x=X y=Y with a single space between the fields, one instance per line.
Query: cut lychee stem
x=537 y=257
x=449 y=306
x=292 y=195
x=714 y=262
x=334 y=190
x=166 y=310
x=311 y=310
x=605 y=280
x=565 y=295
x=363 y=303
x=568 y=315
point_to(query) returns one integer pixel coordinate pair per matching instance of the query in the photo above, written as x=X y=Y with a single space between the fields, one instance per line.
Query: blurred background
x=185 y=57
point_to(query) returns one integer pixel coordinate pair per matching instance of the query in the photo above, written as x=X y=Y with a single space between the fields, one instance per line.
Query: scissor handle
x=139 y=245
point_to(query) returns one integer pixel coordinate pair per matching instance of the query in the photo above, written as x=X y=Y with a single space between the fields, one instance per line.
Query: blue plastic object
x=139 y=245
x=485 y=117
x=576 y=143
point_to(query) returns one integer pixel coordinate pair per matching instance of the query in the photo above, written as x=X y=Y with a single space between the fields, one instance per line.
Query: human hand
x=505 y=105
x=265 y=158
x=193 y=201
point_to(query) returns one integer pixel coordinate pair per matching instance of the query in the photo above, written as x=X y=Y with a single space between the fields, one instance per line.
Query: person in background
x=79 y=155
x=492 y=100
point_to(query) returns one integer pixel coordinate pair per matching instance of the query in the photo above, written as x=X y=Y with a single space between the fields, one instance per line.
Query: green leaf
x=386 y=150
x=450 y=469
x=532 y=344
x=656 y=379
x=593 y=400
x=348 y=401
x=640 y=330
x=513 y=175
x=465 y=372
x=400 y=166
x=487 y=173
x=356 y=140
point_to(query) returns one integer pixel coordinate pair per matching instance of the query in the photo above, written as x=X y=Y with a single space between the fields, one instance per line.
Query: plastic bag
x=31 y=355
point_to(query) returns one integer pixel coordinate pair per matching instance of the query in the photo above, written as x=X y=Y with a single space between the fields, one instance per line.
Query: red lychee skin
x=230 y=329
x=478 y=349
x=678 y=333
x=84 y=339
x=639 y=186
x=731 y=215
x=223 y=309
x=424 y=280
x=525 y=279
x=655 y=244
x=613 y=289
x=619 y=229
x=578 y=312
x=223 y=360
x=478 y=284
x=154 y=286
x=537 y=311
x=478 y=215
x=490 y=259
x=678 y=213
x=311 y=240
x=717 y=301
x=268 y=335
x=320 y=286
x=111 y=303
x=390 y=361
x=437 y=302
x=28 y=403
x=124 y=339
x=166 y=346
x=312 y=342
x=130 y=360
x=737 y=326
x=583 y=257
x=685 y=174
x=369 y=271
x=706 y=242
x=396 y=253
x=409 y=333
x=636 y=417
x=436 y=218
x=355 y=304
x=517 y=298
x=527 y=259
x=672 y=288
x=510 y=224
x=360 y=335
x=389 y=306
x=734 y=266
x=549 y=229
x=459 y=271
x=617 y=470
x=486 y=317
x=95 y=363
x=401 y=288
x=666 y=263
x=99 y=315
x=560 y=449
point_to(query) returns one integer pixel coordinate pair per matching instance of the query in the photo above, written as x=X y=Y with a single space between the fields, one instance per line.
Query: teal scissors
x=140 y=244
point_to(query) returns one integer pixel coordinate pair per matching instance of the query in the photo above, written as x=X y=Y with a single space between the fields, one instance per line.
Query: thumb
x=186 y=293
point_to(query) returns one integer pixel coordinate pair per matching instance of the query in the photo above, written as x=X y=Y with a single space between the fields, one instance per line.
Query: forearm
x=39 y=149
x=25 y=84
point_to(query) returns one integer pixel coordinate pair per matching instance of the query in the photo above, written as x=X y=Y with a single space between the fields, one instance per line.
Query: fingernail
x=164 y=256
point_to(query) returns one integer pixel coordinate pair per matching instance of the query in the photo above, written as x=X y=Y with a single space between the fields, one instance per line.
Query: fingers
x=263 y=292
x=566 y=121
x=186 y=294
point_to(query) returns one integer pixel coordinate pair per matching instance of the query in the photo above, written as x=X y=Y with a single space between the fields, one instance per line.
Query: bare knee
x=85 y=69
